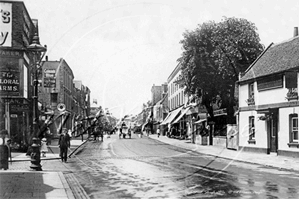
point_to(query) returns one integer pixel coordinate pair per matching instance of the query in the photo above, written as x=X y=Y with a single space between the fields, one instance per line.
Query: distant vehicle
x=125 y=131
x=137 y=129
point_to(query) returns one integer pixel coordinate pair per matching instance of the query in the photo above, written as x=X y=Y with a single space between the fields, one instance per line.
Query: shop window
x=251 y=130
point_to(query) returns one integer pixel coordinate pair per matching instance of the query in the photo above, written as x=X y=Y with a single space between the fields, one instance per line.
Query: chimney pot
x=295 y=31
x=46 y=57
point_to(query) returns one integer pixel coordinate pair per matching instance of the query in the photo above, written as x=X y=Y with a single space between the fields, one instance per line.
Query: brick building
x=16 y=68
x=57 y=88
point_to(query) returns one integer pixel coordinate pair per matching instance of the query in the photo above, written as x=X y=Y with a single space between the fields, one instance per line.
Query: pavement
x=271 y=160
x=54 y=181
x=19 y=181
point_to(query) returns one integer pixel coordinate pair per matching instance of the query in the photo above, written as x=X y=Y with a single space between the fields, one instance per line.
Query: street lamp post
x=36 y=49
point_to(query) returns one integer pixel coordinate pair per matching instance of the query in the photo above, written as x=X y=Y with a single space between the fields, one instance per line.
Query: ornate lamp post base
x=35 y=156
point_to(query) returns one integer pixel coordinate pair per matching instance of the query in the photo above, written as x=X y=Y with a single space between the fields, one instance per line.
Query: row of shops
x=266 y=119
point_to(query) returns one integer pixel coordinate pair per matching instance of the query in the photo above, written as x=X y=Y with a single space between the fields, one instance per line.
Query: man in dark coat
x=64 y=144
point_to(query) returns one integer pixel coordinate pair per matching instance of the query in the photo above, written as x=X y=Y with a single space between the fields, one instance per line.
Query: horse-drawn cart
x=125 y=131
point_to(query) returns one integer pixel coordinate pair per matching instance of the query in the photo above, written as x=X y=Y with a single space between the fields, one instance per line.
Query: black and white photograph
x=149 y=99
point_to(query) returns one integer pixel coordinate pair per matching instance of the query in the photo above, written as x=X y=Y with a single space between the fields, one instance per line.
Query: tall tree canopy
x=213 y=56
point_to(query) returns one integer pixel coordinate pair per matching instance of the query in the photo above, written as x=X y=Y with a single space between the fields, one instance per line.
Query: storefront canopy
x=192 y=110
x=183 y=112
x=171 y=116
x=202 y=117
x=199 y=121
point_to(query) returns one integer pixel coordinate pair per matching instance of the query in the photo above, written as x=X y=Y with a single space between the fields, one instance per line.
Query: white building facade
x=269 y=102
x=176 y=96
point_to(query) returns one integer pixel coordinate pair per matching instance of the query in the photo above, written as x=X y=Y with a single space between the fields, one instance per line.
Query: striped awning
x=183 y=112
x=171 y=116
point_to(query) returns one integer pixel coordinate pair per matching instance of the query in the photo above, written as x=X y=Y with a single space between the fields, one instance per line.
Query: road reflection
x=141 y=169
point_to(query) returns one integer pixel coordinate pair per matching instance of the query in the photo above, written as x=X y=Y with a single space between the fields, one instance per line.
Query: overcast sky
x=119 y=49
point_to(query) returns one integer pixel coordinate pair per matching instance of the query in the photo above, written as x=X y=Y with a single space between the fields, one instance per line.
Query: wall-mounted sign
x=14 y=101
x=49 y=78
x=9 y=82
x=6 y=24
x=19 y=107
x=10 y=53
x=220 y=112
x=272 y=82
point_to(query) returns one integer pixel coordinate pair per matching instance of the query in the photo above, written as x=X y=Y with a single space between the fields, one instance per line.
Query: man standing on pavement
x=64 y=144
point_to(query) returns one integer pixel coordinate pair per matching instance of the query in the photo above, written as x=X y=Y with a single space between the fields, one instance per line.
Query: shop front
x=15 y=105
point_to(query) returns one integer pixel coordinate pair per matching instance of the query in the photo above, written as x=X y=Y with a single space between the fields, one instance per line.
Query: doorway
x=273 y=130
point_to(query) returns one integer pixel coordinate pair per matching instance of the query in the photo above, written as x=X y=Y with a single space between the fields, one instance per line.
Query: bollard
x=35 y=156
x=4 y=157
x=4 y=150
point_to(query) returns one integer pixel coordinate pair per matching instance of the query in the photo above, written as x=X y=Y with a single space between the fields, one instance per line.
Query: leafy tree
x=214 y=54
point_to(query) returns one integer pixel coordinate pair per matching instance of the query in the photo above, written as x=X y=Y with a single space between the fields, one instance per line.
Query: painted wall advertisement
x=49 y=78
x=6 y=24
x=9 y=82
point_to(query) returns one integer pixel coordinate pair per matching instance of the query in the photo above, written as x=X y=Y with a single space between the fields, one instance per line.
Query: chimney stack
x=46 y=58
x=295 y=31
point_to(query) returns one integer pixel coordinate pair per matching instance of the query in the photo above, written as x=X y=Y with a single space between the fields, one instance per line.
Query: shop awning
x=163 y=122
x=183 y=112
x=172 y=115
x=192 y=110
x=202 y=117
x=199 y=121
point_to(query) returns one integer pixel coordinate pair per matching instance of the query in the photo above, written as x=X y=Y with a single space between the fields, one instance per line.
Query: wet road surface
x=146 y=168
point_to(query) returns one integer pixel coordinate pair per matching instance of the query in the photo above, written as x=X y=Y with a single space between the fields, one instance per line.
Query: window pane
x=295 y=122
x=253 y=133
x=295 y=135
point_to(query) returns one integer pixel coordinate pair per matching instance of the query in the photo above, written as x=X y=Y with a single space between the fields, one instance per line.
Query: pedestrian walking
x=64 y=144
x=70 y=133
x=48 y=136
x=158 y=132
x=44 y=148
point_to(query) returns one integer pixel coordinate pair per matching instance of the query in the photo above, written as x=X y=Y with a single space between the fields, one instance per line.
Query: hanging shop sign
x=6 y=24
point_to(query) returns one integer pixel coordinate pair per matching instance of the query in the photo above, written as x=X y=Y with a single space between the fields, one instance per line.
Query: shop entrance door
x=273 y=130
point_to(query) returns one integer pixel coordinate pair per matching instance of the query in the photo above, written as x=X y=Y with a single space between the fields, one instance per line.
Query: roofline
x=285 y=41
x=268 y=75
x=176 y=69
x=261 y=54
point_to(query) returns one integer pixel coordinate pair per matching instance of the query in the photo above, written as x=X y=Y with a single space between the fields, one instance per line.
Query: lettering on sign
x=8 y=53
x=14 y=101
x=9 y=81
x=49 y=78
x=6 y=24
x=220 y=112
